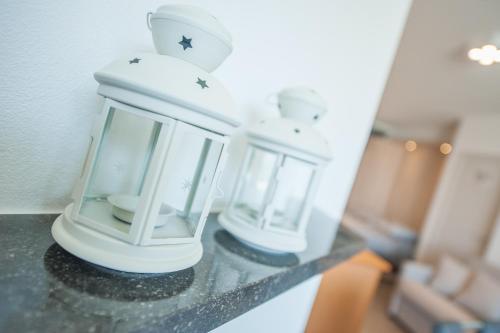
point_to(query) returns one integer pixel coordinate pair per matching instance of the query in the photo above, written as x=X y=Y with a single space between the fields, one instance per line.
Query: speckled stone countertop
x=45 y=289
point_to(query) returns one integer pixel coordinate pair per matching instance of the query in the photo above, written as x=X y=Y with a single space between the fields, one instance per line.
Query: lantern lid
x=292 y=134
x=194 y=16
x=305 y=94
x=301 y=103
x=167 y=79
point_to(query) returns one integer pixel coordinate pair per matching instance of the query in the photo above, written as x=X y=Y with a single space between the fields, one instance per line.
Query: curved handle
x=272 y=99
x=148 y=19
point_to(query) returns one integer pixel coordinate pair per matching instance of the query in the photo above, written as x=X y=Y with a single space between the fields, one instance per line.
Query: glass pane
x=250 y=200
x=294 y=180
x=119 y=170
x=192 y=162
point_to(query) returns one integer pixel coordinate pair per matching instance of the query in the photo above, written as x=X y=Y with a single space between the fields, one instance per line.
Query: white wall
x=476 y=144
x=289 y=319
x=342 y=48
x=49 y=52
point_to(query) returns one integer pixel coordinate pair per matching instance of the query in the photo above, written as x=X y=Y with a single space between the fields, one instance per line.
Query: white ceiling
x=432 y=82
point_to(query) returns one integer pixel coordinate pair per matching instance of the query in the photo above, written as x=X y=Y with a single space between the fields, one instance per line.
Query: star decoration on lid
x=202 y=83
x=186 y=43
x=134 y=61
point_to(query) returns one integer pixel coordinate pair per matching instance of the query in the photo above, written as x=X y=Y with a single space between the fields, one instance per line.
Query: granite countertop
x=43 y=288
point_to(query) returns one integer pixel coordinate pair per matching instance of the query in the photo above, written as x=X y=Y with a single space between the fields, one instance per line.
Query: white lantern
x=272 y=199
x=155 y=157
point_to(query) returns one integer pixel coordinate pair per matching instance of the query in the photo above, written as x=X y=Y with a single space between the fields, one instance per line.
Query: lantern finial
x=191 y=34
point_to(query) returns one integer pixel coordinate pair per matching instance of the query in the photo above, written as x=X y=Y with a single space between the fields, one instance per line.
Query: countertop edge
x=246 y=297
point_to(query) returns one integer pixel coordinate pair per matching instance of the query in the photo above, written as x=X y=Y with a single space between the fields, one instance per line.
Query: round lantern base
x=109 y=252
x=264 y=240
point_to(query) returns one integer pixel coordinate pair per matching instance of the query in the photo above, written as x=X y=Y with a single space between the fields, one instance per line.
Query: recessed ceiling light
x=445 y=148
x=410 y=145
x=486 y=55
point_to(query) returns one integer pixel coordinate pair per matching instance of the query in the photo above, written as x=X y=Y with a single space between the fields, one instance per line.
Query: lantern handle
x=272 y=99
x=148 y=20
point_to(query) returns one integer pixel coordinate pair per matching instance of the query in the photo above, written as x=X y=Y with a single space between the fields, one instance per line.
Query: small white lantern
x=272 y=200
x=155 y=157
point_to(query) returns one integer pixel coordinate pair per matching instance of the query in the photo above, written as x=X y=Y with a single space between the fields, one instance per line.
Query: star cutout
x=186 y=43
x=134 y=61
x=202 y=83
x=186 y=185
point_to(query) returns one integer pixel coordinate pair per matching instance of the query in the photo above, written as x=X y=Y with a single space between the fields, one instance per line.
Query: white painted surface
x=289 y=319
x=475 y=150
x=342 y=48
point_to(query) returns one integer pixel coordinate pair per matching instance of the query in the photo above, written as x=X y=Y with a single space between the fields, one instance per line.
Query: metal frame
x=161 y=182
x=306 y=203
x=316 y=165
x=243 y=170
x=142 y=226
x=135 y=230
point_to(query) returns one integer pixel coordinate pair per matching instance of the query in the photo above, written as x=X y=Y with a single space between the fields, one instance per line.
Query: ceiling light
x=486 y=55
x=497 y=56
x=445 y=148
x=486 y=61
x=410 y=145
x=474 y=54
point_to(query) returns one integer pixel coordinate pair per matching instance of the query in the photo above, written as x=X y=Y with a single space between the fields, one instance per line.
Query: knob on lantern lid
x=301 y=103
x=191 y=34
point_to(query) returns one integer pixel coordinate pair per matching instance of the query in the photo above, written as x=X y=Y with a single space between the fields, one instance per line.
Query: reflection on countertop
x=231 y=244
x=46 y=289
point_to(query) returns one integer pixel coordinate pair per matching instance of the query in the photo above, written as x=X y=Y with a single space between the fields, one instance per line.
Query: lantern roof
x=300 y=107
x=167 y=79
x=305 y=94
x=292 y=134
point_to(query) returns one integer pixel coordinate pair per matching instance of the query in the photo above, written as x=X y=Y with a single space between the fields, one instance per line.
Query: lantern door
x=255 y=183
x=295 y=183
x=112 y=194
x=274 y=190
x=186 y=187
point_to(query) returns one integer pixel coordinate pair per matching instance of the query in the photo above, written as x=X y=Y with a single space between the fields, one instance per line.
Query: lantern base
x=109 y=252
x=264 y=240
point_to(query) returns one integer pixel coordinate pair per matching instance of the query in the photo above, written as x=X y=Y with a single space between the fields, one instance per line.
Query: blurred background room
x=427 y=193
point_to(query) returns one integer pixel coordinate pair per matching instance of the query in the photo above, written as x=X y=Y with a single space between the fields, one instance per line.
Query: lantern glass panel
x=257 y=177
x=191 y=166
x=120 y=166
x=295 y=178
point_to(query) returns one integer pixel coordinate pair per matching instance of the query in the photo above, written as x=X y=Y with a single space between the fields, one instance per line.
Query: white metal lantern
x=154 y=161
x=272 y=200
